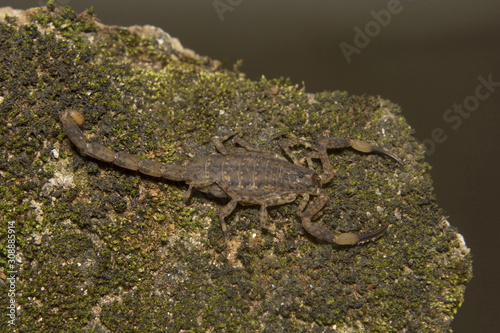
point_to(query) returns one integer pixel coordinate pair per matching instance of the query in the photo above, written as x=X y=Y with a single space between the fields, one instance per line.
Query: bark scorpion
x=244 y=175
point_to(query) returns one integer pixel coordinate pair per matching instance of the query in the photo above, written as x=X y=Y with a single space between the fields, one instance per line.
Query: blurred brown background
x=426 y=56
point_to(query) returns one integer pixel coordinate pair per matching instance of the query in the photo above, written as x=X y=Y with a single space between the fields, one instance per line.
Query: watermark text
x=11 y=272
x=223 y=6
x=460 y=111
x=372 y=29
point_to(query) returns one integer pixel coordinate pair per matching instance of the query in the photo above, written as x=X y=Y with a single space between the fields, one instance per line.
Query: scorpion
x=245 y=175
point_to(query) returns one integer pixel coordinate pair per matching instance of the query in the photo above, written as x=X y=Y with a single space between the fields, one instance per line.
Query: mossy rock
x=103 y=249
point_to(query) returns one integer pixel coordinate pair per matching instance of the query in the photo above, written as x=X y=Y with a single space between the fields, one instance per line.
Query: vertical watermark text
x=11 y=272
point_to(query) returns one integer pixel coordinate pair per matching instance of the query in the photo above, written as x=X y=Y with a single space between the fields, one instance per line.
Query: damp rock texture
x=102 y=249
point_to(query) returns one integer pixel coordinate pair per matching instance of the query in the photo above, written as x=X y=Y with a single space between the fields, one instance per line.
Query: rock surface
x=103 y=249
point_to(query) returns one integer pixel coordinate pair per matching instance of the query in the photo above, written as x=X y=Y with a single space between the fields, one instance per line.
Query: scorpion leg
x=237 y=138
x=71 y=121
x=321 y=232
x=247 y=146
x=224 y=212
x=218 y=143
x=263 y=219
x=303 y=203
x=187 y=194
x=295 y=142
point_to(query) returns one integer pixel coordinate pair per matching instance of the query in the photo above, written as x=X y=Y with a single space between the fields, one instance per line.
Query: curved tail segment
x=71 y=121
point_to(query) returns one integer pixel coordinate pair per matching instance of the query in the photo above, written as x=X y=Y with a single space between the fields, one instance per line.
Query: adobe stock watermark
x=223 y=6
x=363 y=37
x=456 y=114
x=11 y=272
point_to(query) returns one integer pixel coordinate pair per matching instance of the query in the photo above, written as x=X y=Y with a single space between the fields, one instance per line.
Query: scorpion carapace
x=244 y=175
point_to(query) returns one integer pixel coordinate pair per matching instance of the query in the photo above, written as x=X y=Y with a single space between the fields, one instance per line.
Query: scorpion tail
x=72 y=120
